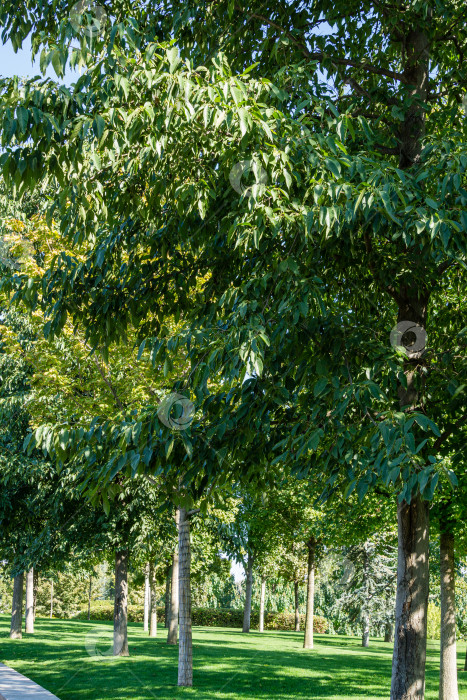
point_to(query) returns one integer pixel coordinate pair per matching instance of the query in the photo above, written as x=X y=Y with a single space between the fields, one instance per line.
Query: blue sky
x=20 y=63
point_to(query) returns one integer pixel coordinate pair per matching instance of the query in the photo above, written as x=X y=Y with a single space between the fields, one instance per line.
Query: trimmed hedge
x=214 y=617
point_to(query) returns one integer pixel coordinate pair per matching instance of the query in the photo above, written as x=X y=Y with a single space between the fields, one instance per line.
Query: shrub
x=213 y=617
x=434 y=621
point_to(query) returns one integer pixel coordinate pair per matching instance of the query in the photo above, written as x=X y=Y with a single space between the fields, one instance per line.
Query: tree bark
x=168 y=581
x=297 y=609
x=173 y=616
x=89 y=597
x=366 y=610
x=448 y=668
x=365 y=629
x=30 y=602
x=36 y=584
x=16 y=629
x=389 y=632
x=185 y=649
x=152 y=596
x=261 y=604
x=51 y=598
x=120 y=647
x=310 y=596
x=146 y=599
x=409 y=656
x=248 y=594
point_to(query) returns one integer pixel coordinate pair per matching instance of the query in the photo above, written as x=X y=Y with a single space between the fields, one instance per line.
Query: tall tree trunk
x=16 y=629
x=297 y=609
x=30 y=602
x=146 y=598
x=51 y=598
x=248 y=594
x=261 y=604
x=36 y=584
x=173 y=616
x=448 y=668
x=168 y=581
x=185 y=649
x=89 y=597
x=152 y=595
x=465 y=662
x=120 y=647
x=389 y=632
x=310 y=596
x=409 y=656
x=366 y=609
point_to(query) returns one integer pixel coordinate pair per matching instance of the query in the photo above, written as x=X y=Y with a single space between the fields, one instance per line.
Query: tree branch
x=447 y=433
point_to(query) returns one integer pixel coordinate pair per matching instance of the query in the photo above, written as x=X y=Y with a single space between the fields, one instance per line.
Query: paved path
x=14 y=686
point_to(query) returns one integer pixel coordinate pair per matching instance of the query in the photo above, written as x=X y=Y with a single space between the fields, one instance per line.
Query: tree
x=366 y=193
x=369 y=593
x=249 y=536
x=450 y=517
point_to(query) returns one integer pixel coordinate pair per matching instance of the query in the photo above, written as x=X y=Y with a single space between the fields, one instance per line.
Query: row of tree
x=267 y=307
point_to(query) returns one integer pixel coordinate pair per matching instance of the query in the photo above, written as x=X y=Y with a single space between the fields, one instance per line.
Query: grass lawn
x=227 y=664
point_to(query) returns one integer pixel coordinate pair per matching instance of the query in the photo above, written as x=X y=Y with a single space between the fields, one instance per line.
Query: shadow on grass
x=227 y=665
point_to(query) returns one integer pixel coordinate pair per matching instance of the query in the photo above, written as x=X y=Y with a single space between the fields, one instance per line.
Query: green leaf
x=333 y=166
x=320 y=386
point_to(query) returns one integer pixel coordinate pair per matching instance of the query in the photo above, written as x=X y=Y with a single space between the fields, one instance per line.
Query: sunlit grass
x=227 y=664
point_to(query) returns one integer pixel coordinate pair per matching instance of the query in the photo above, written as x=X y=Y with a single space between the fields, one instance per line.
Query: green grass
x=227 y=664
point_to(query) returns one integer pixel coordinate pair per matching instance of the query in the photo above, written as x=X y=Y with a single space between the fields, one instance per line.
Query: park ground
x=68 y=658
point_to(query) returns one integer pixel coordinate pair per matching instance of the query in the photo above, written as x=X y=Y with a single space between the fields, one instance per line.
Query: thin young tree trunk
x=365 y=628
x=310 y=596
x=89 y=597
x=168 y=581
x=448 y=669
x=261 y=604
x=36 y=584
x=465 y=662
x=152 y=595
x=409 y=656
x=185 y=649
x=120 y=647
x=173 y=616
x=248 y=594
x=366 y=611
x=389 y=632
x=146 y=599
x=51 y=598
x=297 y=609
x=16 y=629
x=30 y=602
